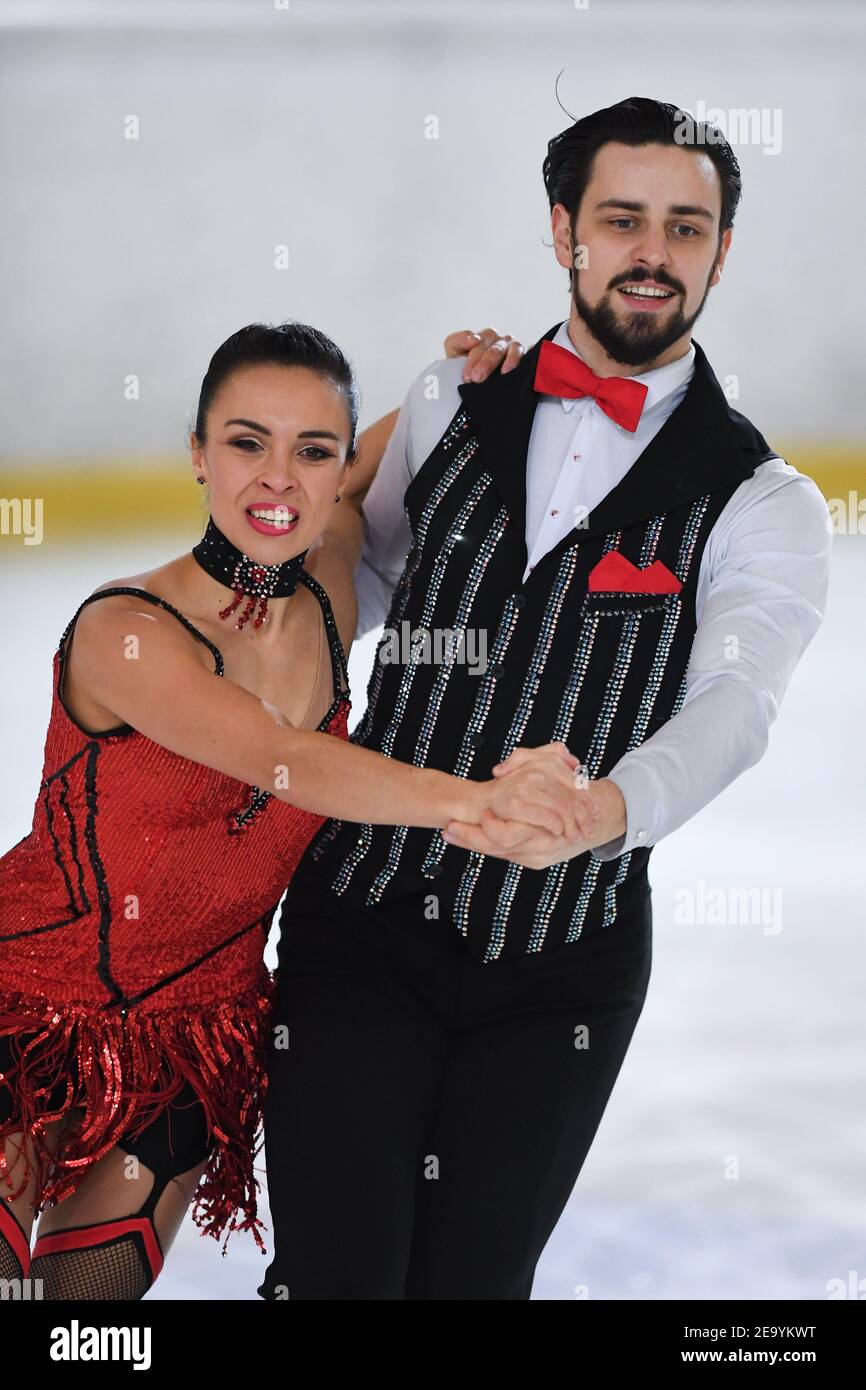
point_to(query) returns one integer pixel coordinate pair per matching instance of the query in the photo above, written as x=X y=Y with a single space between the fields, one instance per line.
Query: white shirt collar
x=662 y=382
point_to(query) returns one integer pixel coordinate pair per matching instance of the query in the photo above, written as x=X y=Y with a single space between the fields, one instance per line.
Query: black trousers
x=427 y=1116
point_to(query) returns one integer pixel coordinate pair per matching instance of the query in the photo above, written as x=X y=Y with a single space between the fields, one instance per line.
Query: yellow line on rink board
x=153 y=494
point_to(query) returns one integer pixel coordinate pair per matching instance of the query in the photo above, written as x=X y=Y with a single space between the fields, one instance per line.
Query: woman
x=173 y=808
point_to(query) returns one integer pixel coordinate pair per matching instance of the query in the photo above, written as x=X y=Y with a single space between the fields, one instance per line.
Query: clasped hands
x=539 y=810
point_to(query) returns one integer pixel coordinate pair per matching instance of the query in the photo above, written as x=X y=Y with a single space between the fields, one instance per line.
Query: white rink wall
x=304 y=128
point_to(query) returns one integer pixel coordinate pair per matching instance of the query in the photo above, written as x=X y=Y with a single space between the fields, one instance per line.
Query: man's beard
x=641 y=340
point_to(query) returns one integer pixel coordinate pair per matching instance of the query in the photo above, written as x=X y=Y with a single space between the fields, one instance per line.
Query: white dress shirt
x=763 y=578
x=577 y=454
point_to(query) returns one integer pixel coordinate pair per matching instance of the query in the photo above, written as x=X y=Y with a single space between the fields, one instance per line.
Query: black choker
x=247 y=577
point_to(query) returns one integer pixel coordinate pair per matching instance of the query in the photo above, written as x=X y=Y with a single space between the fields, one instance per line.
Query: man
x=641 y=574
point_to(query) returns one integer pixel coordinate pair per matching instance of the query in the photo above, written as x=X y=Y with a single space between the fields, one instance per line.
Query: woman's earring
x=199 y=479
x=338 y=496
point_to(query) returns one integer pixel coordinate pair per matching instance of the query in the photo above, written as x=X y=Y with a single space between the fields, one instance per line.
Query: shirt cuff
x=641 y=796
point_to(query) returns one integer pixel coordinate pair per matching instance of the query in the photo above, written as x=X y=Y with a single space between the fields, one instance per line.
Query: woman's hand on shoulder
x=485 y=352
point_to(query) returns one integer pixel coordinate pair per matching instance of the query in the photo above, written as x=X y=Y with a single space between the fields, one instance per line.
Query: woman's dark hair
x=289 y=344
x=636 y=121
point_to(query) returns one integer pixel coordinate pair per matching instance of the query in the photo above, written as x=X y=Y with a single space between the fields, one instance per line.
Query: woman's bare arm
x=142 y=666
x=346 y=527
x=372 y=443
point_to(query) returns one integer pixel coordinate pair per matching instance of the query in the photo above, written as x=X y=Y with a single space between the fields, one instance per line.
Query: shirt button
x=434 y=871
x=641 y=835
x=518 y=600
x=576 y=458
x=497 y=668
x=475 y=740
x=555 y=512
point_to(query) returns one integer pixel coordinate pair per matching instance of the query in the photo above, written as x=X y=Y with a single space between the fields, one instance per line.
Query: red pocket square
x=616 y=574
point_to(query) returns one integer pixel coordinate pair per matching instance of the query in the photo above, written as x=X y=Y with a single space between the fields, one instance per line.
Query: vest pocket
x=620 y=677
x=626 y=604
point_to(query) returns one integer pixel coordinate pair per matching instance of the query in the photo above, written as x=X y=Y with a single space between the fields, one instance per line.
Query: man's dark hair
x=635 y=121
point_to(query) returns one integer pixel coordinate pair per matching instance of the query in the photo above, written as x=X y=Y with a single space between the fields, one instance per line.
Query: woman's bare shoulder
x=160 y=581
x=96 y=633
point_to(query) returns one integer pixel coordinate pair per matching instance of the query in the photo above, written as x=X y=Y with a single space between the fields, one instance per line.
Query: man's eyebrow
x=303 y=434
x=691 y=210
x=678 y=209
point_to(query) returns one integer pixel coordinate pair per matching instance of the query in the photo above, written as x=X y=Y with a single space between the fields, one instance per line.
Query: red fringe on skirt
x=128 y=1071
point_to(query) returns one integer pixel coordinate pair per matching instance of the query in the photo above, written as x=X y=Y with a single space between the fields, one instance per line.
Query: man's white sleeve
x=387 y=534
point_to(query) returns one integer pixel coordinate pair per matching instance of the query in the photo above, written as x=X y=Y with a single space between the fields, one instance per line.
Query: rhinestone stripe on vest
x=557 y=873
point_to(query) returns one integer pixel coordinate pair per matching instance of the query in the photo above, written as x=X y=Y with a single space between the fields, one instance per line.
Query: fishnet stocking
x=13 y=1244
x=115 y=1270
x=10 y=1267
x=107 y=1260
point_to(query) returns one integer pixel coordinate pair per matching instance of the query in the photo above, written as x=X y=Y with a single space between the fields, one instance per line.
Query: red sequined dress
x=133 y=920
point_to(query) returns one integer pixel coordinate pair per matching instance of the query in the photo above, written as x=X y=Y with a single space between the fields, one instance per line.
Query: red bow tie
x=561 y=373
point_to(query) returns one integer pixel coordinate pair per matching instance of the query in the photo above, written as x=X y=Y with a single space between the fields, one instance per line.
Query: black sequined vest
x=600 y=670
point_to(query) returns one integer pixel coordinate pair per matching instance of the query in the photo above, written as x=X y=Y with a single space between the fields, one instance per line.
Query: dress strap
x=338 y=656
x=151 y=598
